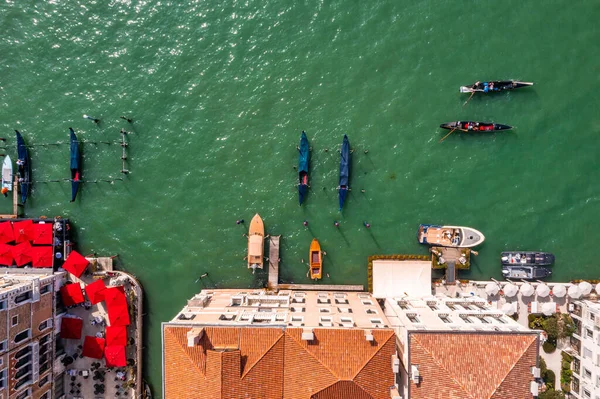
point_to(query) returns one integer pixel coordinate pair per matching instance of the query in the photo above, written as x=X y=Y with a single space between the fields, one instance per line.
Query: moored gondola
x=469 y=126
x=344 y=171
x=494 y=86
x=75 y=165
x=303 y=160
x=24 y=167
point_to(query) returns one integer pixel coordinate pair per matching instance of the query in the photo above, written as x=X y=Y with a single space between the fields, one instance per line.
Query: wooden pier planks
x=273 y=262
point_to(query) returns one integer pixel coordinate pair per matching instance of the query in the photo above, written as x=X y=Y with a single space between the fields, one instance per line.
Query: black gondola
x=469 y=126
x=344 y=171
x=303 y=159
x=24 y=167
x=493 y=86
x=75 y=165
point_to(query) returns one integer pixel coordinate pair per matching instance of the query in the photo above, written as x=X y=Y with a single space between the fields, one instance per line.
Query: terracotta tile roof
x=472 y=365
x=231 y=362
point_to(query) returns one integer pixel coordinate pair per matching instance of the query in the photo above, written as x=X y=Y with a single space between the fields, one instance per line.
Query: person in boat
x=491 y=86
x=20 y=162
x=5 y=191
x=486 y=88
x=476 y=85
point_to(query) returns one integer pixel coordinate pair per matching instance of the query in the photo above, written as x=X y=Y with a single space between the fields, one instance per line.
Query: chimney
x=194 y=336
x=414 y=374
x=369 y=335
x=308 y=334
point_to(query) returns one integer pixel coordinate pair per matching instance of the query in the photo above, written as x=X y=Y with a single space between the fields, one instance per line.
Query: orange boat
x=256 y=247
x=316 y=260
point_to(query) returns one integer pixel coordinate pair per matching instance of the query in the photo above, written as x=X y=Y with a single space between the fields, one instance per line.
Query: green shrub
x=565 y=387
x=543 y=366
x=551 y=394
x=567 y=357
x=548 y=347
x=549 y=378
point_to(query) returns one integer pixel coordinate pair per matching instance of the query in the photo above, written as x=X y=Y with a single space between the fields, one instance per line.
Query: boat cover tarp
x=94 y=291
x=75 y=264
x=93 y=347
x=42 y=234
x=255 y=245
x=42 y=256
x=71 y=327
x=71 y=294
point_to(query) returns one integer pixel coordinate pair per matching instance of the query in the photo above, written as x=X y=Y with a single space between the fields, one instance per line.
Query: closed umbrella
x=542 y=290
x=549 y=308
x=510 y=289
x=527 y=289
x=509 y=308
x=491 y=289
x=585 y=288
x=559 y=291
x=574 y=292
x=598 y=288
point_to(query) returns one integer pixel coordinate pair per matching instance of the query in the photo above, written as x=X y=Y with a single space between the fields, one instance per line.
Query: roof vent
x=369 y=335
x=534 y=388
x=395 y=364
x=308 y=335
x=536 y=372
x=414 y=374
x=194 y=336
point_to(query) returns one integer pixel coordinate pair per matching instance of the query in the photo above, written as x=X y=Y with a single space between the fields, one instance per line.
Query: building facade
x=585 y=343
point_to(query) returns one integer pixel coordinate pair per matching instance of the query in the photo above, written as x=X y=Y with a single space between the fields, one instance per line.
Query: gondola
x=303 y=159
x=75 y=165
x=344 y=171
x=24 y=167
x=493 y=86
x=469 y=126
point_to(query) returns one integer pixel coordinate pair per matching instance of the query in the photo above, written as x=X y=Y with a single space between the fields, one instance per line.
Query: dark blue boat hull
x=24 y=170
x=344 y=171
x=303 y=161
x=75 y=165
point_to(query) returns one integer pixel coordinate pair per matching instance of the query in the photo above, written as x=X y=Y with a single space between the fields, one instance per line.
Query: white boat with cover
x=449 y=236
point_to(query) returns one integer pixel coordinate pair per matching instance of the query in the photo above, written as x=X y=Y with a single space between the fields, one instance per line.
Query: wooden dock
x=321 y=287
x=15 y=193
x=273 y=262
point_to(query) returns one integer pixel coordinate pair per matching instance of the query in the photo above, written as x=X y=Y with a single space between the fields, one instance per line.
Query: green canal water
x=220 y=91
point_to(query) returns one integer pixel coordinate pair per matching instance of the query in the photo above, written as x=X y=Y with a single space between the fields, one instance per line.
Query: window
x=43 y=381
x=344 y=310
x=3 y=304
x=484 y=320
x=376 y=321
x=501 y=320
x=324 y=300
x=587 y=353
x=22 y=372
x=23 y=352
x=371 y=311
x=298 y=300
x=227 y=317
x=341 y=301
x=22 y=336
x=23 y=297
x=403 y=305
x=45 y=324
x=23 y=361
x=592 y=317
x=467 y=319
x=367 y=303
x=451 y=306
x=297 y=309
x=445 y=318
x=589 y=333
x=586 y=393
x=363 y=296
x=413 y=317
x=325 y=321
x=297 y=319
x=14 y=320
x=45 y=289
x=23 y=395
x=347 y=320
x=432 y=307
x=324 y=310
x=46 y=395
x=3 y=379
x=587 y=373
x=3 y=345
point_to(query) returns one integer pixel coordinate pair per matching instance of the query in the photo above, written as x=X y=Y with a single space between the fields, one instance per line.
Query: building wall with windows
x=27 y=304
x=586 y=350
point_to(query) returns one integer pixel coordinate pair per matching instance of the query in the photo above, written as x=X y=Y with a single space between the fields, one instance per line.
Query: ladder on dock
x=273 y=262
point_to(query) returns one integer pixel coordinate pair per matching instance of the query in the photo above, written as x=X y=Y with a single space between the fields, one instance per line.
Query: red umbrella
x=94 y=291
x=75 y=264
x=71 y=294
x=116 y=335
x=43 y=234
x=22 y=253
x=6 y=256
x=93 y=347
x=115 y=356
x=114 y=297
x=42 y=256
x=116 y=305
x=70 y=327
x=23 y=230
x=6 y=232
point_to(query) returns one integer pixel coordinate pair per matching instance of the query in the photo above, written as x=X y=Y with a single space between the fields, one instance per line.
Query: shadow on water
x=339 y=229
x=374 y=239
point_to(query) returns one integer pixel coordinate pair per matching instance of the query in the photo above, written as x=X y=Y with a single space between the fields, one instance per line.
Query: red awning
x=70 y=327
x=23 y=230
x=6 y=232
x=22 y=253
x=75 y=264
x=43 y=234
x=93 y=347
x=116 y=305
x=116 y=335
x=71 y=294
x=115 y=356
x=42 y=256
x=6 y=256
x=94 y=291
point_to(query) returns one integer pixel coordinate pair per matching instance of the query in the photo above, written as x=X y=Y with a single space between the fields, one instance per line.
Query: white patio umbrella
x=491 y=289
x=510 y=289
x=574 y=292
x=549 y=308
x=585 y=288
x=559 y=291
x=509 y=308
x=542 y=290
x=527 y=289
x=597 y=289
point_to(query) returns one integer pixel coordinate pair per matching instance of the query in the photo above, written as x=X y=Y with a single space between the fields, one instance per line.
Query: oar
x=444 y=138
x=470 y=97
